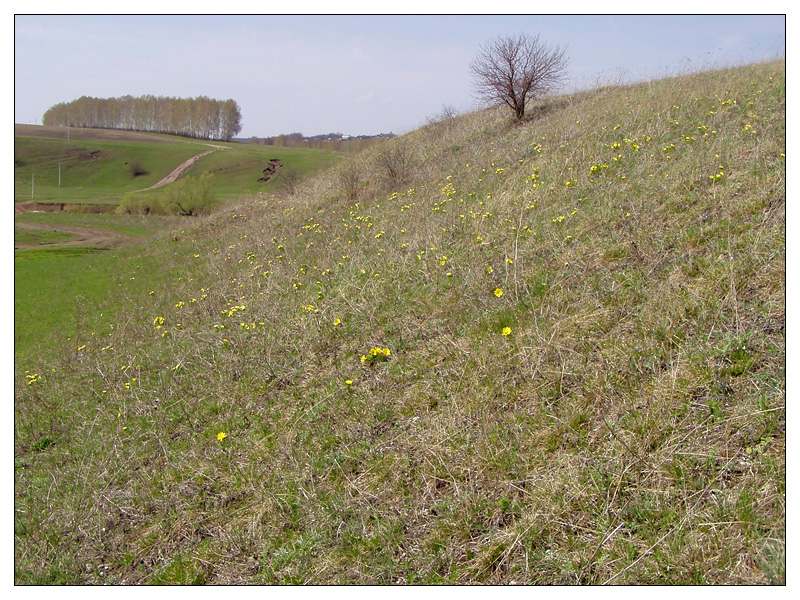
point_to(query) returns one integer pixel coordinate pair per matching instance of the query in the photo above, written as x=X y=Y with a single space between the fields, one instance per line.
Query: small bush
x=191 y=196
x=348 y=181
x=136 y=168
x=444 y=119
x=137 y=204
x=290 y=179
x=394 y=164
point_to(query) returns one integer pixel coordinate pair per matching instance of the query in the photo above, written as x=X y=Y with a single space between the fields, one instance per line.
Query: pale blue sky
x=351 y=74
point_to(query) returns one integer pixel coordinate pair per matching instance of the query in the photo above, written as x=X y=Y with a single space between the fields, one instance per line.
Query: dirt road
x=177 y=172
x=86 y=236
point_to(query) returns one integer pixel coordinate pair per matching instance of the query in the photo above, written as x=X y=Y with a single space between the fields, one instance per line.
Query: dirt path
x=87 y=236
x=177 y=172
x=183 y=167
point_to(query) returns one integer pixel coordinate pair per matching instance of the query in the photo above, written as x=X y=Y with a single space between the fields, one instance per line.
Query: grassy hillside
x=92 y=171
x=549 y=353
x=239 y=172
x=96 y=166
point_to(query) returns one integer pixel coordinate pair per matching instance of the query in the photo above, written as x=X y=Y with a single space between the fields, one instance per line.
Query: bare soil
x=178 y=171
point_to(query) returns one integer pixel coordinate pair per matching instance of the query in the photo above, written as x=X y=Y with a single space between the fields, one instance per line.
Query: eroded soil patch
x=271 y=170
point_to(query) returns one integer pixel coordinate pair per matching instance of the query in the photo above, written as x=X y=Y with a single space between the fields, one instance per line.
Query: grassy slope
x=629 y=428
x=99 y=170
x=92 y=171
x=238 y=172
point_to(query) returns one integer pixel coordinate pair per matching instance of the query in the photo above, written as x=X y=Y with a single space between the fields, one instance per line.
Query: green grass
x=29 y=237
x=91 y=171
x=131 y=225
x=58 y=289
x=239 y=170
x=100 y=171
x=629 y=429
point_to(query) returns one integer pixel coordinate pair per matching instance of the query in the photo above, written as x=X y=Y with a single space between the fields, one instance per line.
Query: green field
x=91 y=172
x=485 y=352
x=100 y=170
x=31 y=237
x=239 y=170
x=123 y=224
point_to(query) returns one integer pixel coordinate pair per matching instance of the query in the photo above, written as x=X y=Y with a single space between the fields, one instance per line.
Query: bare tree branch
x=513 y=70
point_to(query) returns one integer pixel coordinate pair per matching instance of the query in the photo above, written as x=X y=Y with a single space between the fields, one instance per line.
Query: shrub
x=290 y=179
x=394 y=163
x=137 y=204
x=136 y=168
x=348 y=180
x=191 y=196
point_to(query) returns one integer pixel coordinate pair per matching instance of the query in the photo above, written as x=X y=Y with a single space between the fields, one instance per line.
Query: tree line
x=331 y=142
x=200 y=117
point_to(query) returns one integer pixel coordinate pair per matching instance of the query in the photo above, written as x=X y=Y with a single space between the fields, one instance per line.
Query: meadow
x=91 y=171
x=59 y=164
x=483 y=352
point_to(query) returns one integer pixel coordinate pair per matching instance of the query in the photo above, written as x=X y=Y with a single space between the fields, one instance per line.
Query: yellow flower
x=221 y=435
x=348 y=382
x=506 y=330
x=498 y=292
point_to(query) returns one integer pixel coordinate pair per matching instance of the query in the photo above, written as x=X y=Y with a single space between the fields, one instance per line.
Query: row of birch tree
x=200 y=117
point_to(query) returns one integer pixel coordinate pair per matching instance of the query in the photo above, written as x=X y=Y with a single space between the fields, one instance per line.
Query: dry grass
x=629 y=427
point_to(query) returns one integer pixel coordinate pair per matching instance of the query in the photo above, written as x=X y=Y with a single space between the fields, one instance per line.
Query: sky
x=357 y=75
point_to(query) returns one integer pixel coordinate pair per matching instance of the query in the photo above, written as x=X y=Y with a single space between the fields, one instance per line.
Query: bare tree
x=291 y=180
x=513 y=70
x=444 y=120
x=395 y=162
